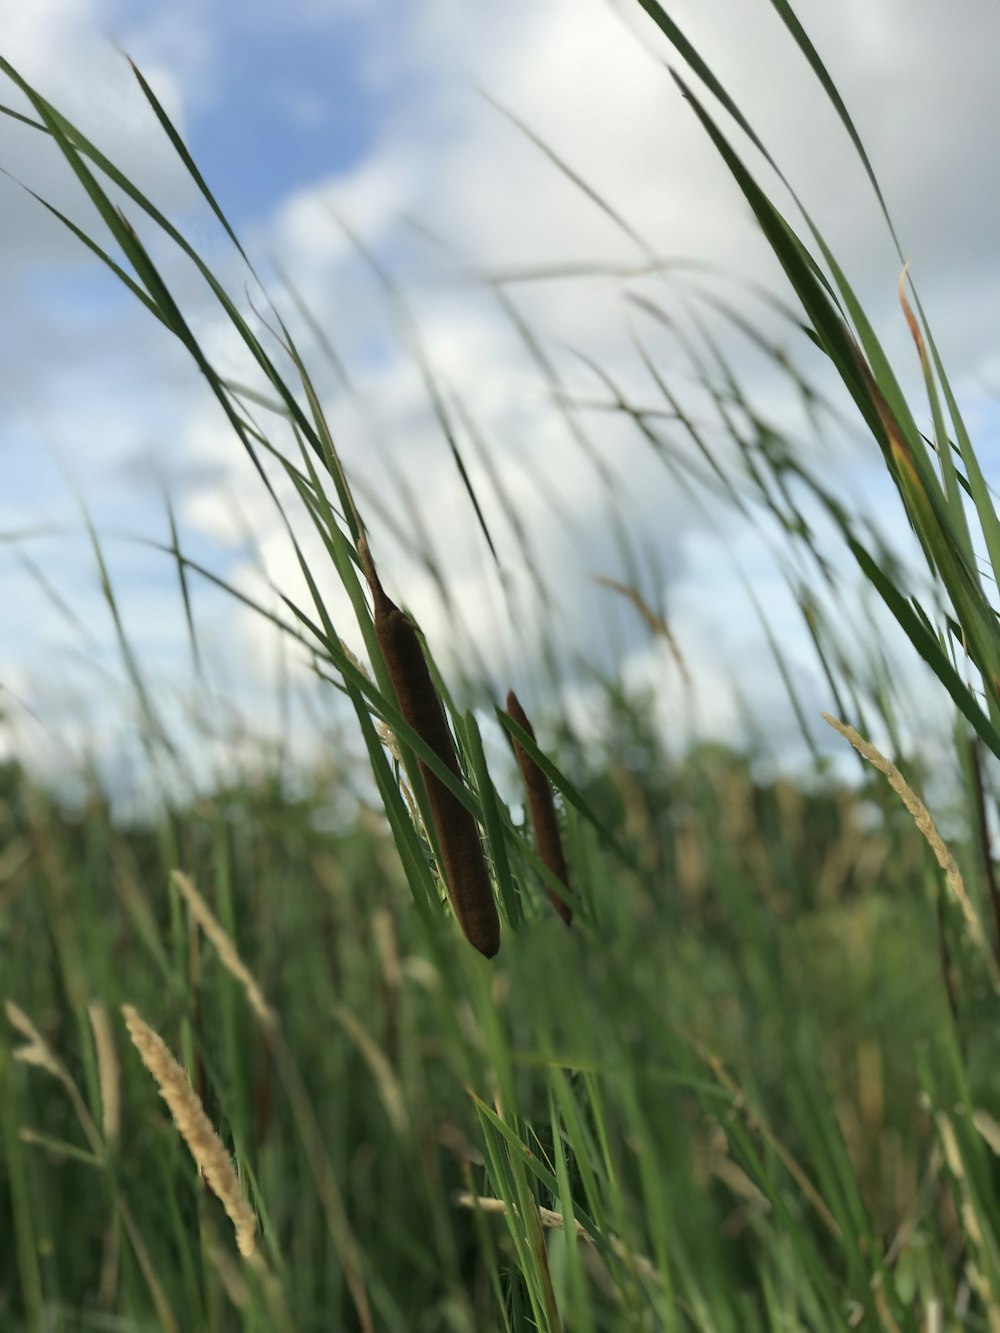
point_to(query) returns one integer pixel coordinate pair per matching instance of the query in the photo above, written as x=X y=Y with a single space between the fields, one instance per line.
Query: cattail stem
x=542 y=808
x=463 y=863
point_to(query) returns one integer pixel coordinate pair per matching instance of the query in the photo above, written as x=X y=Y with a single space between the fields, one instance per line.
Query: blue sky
x=302 y=113
x=289 y=105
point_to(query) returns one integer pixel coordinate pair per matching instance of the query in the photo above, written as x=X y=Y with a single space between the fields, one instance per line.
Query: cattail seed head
x=542 y=809
x=464 y=865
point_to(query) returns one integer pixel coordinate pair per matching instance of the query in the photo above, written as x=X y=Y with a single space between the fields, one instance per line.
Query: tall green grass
x=744 y=1081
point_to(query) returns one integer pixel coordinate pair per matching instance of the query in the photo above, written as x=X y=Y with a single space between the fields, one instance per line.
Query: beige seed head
x=108 y=1071
x=37 y=1051
x=194 y=1127
x=225 y=948
x=922 y=818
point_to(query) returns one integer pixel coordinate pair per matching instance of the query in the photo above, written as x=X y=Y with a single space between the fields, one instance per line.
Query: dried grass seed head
x=194 y=1127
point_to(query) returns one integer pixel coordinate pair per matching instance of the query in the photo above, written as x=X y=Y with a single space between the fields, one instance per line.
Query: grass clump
x=753 y=1088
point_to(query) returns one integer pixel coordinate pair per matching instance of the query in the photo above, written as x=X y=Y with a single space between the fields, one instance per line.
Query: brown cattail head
x=464 y=868
x=542 y=808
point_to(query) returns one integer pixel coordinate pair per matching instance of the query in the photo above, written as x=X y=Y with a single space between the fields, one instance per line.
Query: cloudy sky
x=401 y=137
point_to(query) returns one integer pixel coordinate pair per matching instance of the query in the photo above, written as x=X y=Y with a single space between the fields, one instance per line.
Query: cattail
x=464 y=865
x=542 y=808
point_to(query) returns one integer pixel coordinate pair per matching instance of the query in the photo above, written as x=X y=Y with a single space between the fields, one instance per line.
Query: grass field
x=579 y=1032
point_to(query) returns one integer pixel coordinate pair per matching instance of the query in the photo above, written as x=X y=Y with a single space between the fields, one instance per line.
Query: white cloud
x=62 y=48
x=917 y=80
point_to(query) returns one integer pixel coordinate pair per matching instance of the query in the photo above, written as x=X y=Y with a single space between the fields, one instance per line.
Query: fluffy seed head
x=194 y=1127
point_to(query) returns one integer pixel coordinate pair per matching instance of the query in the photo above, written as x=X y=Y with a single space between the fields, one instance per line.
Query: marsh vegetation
x=509 y=1024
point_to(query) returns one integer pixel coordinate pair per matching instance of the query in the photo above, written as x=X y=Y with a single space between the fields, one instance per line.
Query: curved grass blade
x=168 y=127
